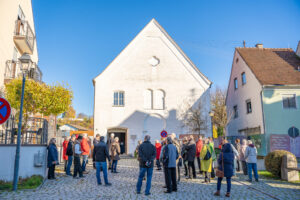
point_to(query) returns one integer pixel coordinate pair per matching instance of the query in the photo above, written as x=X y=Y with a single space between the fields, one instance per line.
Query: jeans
x=70 y=160
x=171 y=179
x=84 y=162
x=102 y=165
x=228 y=180
x=252 y=166
x=140 y=180
x=234 y=167
x=114 y=166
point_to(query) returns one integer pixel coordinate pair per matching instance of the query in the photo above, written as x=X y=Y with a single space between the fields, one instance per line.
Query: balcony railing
x=13 y=70
x=24 y=37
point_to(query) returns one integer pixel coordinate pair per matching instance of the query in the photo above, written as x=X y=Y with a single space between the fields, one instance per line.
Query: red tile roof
x=272 y=66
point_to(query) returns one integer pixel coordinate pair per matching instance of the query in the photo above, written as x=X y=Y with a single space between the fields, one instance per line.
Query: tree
x=82 y=116
x=38 y=98
x=220 y=118
x=71 y=113
x=193 y=117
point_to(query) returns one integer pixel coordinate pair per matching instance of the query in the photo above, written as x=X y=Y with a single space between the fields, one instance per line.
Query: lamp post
x=211 y=114
x=25 y=65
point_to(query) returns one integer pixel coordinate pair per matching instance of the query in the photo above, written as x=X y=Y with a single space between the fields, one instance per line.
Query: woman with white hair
x=251 y=159
x=242 y=152
x=115 y=152
x=52 y=158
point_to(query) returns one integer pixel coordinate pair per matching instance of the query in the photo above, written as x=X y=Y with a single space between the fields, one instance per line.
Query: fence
x=35 y=131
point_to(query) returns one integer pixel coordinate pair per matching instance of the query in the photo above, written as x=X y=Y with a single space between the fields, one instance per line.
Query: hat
x=79 y=137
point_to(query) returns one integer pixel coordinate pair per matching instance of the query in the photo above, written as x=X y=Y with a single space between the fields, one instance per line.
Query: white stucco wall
x=8 y=16
x=251 y=90
x=132 y=73
x=27 y=168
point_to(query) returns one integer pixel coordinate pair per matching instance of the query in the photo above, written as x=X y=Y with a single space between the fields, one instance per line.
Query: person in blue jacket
x=52 y=158
x=226 y=159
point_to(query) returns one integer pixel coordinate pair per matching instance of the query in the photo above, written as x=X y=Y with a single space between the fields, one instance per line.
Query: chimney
x=244 y=43
x=259 y=46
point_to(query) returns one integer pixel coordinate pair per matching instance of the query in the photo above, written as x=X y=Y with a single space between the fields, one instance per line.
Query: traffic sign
x=5 y=110
x=163 y=134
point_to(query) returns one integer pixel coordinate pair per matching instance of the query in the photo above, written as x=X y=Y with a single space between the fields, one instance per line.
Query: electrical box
x=39 y=159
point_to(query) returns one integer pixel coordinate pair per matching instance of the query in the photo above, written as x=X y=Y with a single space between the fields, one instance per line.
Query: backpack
x=208 y=155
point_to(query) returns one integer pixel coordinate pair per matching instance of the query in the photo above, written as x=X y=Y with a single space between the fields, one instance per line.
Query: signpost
x=5 y=110
x=163 y=134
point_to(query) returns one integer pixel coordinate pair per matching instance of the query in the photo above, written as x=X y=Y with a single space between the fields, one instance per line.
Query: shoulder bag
x=220 y=173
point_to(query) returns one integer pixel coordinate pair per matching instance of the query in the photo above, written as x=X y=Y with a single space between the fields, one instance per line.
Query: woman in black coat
x=52 y=158
x=226 y=159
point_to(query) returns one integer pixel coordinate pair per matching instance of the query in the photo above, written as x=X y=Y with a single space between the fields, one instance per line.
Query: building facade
x=263 y=97
x=144 y=90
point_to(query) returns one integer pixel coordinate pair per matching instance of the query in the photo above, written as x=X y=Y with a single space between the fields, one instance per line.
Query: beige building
x=17 y=36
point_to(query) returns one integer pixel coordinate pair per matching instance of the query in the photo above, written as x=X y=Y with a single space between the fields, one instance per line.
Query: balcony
x=13 y=70
x=24 y=37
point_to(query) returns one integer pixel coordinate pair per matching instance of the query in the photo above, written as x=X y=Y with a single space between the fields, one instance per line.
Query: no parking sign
x=163 y=134
x=5 y=110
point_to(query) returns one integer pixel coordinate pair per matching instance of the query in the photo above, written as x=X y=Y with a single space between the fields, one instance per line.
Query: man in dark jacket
x=191 y=154
x=77 y=154
x=147 y=154
x=70 y=154
x=52 y=158
x=170 y=155
x=100 y=154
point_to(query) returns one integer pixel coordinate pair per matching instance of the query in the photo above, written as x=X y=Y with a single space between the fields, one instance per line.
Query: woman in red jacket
x=158 y=150
x=65 y=146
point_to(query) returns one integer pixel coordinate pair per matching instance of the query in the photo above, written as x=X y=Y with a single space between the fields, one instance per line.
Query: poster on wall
x=285 y=142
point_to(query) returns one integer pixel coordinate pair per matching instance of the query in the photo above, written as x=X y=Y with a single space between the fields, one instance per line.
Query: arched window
x=159 y=100
x=148 y=99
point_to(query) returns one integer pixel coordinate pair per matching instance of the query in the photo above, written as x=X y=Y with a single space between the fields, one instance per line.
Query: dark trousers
x=178 y=172
x=191 y=165
x=238 y=168
x=77 y=166
x=158 y=164
x=66 y=163
x=51 y=172
x=207 y=177
x=171 y=179
x=185 y=167
x=199 y=165
x=228 y=180
x=165 y=169
x=245 y=167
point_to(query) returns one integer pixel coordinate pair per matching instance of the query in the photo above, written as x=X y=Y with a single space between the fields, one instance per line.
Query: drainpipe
x=263 y=117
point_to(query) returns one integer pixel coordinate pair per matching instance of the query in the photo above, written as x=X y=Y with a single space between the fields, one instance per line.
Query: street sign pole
x=17 y=158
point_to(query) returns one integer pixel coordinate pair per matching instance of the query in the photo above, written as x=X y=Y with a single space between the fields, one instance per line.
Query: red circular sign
x=5 y=110
x=163 y=134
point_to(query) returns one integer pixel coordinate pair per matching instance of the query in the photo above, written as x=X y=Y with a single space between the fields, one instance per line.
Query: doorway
x=121 y=133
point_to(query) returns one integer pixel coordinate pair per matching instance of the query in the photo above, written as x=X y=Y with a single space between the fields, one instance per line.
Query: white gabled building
x=143 y=89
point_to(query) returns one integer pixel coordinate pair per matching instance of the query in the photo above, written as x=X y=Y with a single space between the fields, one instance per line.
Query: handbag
x=220 y=173
x=207 y=155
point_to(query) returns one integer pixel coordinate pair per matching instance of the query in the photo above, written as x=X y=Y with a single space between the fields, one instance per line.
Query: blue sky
x=77 y=39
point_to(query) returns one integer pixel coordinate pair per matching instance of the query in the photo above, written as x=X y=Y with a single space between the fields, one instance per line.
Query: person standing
x=110 y=140
x=242 y=152
x=176 y=143
x=225 y=164
x=52 y=158
x=191 y=154
x=251 y=159
x=238 y=146
x=77 y=154
x=115 y=152
x=213 y=155
x=65 y=157
x=96 y=139
x=100 y=154
x=206 y=160
x=136 y=152
x=85 y=148
x=236 y=157
x=184 y=155
x=170 y=156
x=158 y=150
x=147 y=154
x=70 y=154
x=199 y=146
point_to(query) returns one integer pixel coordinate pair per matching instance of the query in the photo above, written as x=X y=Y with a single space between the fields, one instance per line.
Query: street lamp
x=211 y=114
x=25 y=66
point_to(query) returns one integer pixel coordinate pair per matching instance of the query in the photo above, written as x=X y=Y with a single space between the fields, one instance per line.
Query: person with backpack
x=206 y=160
x=70 y=154
x=147 y=154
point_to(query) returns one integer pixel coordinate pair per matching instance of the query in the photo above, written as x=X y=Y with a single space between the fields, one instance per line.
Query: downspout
x=263 y=118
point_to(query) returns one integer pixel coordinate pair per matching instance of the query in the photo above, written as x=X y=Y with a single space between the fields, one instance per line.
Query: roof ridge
x=262 y=48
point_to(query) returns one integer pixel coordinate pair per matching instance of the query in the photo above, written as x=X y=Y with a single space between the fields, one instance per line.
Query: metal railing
x=22 y=28
x=13 y=70
x=34 y=132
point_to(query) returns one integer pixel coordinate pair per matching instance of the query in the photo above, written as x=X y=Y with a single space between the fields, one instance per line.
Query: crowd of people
x=169 y=155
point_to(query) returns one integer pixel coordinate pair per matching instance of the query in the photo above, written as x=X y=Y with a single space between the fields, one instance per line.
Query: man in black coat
x=147 y=154
x=191 y=154
x=70 y=154
x=100 y=154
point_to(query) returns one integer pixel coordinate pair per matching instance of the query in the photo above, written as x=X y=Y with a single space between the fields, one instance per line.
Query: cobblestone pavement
x=124 y=184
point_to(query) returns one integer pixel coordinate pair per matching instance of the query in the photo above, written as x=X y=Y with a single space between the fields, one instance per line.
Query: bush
x=273 y=161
